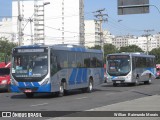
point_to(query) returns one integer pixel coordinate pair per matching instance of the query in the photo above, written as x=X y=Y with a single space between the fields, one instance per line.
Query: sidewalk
x=151 y=103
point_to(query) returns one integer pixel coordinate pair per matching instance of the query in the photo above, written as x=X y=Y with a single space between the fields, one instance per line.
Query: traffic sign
x=133 y=7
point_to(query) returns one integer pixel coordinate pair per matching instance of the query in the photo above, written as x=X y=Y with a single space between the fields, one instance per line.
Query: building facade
x=6 y=29
x=108 y=37
x=121 y=41
x=141 y=42
x=92 y=31
x=50 y=21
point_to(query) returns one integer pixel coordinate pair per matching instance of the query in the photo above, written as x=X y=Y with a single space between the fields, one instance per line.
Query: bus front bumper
x=24 y=89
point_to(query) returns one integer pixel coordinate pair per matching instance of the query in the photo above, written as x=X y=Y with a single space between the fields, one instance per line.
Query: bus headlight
x=46 y=81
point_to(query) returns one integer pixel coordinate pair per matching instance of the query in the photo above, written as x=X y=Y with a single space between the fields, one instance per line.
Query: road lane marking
x=39 y=104
x=109 y=94
x=81 y=98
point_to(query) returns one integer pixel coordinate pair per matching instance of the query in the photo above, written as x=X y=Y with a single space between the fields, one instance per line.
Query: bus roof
x=133 y=54
x=65 y=47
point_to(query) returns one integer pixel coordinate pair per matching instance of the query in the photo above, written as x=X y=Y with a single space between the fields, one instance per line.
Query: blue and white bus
x=55 y=69
x=131 y=68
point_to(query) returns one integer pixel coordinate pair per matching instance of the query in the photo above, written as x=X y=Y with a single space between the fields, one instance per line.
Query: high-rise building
x=92 y=33
x=50 y=21
x=107 y=37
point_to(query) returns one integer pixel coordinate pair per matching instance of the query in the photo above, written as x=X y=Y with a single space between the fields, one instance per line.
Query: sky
x=133 y=24
x=5 y=8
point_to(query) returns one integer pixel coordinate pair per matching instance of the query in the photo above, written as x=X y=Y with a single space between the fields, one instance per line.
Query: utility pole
x=31 y=20
x=19 y=25
x=101 y=19
x=147 y=34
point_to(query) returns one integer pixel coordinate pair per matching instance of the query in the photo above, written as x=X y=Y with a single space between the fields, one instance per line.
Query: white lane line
x=109 y=94
x=39 y=104
x=81 y=98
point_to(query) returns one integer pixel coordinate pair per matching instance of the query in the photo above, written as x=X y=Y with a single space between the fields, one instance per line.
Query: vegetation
x=5 y=48
x=108 y=49
x=131 y=48
x=156 y=52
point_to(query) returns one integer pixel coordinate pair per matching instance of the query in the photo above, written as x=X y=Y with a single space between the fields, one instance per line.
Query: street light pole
x=44 y=4
x=19 y=25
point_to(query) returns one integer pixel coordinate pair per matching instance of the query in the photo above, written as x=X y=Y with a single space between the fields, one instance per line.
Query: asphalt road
x=103 y=95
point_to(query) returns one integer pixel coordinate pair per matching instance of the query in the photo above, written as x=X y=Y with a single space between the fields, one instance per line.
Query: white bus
x=56 y=68
x=131 y=68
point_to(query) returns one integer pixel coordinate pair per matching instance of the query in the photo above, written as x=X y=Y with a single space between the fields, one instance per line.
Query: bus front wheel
x=61 y=90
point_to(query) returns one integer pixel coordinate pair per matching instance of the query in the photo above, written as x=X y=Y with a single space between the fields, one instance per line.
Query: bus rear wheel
x=29 y=95
x=148 y=82
x=89 y=89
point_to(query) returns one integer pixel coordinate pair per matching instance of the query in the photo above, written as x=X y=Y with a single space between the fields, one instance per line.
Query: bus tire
x=90 y=86
x=148 y=82
x=136 y=83
x=29 y=95
x=89 y=89
x=61 y=90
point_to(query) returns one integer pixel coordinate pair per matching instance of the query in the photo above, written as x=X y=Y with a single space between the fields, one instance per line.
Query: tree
x=6 y=46
x=131 y=48
x=156 y=52
x=109 y=49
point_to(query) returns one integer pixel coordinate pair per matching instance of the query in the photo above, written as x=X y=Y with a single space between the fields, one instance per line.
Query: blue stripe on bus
x=14 y=88
x=79 y=76
x=28 y=84
x=44 y=88
x=36 y=84
x=84 y=77
x=73 y=76
x=21 y=84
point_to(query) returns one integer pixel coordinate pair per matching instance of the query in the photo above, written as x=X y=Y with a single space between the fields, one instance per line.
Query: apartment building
x=107 y=36
x=141 y=42
x=121 y=41
x=92 y=33
x=50 y=21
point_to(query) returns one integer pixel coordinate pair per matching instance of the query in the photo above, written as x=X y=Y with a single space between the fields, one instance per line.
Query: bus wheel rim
x=90 y=86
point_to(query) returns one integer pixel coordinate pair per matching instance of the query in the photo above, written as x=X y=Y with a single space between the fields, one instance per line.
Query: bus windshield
x=118 y=65
x=30 y=65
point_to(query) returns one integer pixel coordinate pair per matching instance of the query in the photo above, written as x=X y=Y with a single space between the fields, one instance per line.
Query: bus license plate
x=28 y=91
x=118 y=81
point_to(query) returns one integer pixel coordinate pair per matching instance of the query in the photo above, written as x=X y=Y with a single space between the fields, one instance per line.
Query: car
x=157 y=70
x=5 y=76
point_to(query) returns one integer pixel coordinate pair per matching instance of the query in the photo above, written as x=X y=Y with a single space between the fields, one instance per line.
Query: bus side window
x=54 y=65
x=133 y=63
